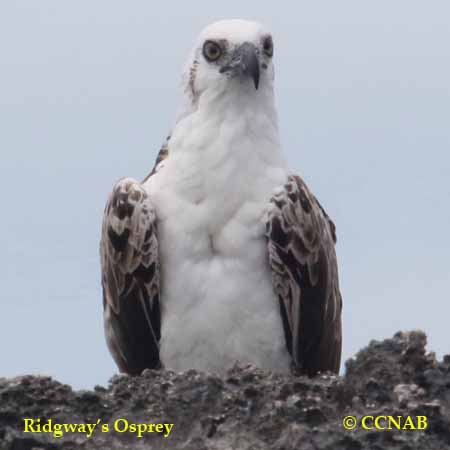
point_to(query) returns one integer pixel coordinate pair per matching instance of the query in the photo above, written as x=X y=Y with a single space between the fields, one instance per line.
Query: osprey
x=221 y=253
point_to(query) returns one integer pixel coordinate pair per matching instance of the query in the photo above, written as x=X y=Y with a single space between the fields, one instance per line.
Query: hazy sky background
x=88 y=90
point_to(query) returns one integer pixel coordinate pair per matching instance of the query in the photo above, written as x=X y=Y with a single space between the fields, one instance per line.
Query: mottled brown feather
x=130 y=278
x=301 y=244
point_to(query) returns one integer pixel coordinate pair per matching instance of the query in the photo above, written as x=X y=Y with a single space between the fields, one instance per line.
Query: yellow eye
x=212 y=51
x=268 y=46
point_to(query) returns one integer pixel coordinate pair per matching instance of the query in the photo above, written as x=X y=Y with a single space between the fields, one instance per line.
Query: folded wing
x=301 y=245
x=130 y=278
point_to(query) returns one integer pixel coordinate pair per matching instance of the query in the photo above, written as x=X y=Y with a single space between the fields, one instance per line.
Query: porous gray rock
x=247 y=408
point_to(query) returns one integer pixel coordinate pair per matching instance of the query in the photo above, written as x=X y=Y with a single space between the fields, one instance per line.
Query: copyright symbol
x=349 y=422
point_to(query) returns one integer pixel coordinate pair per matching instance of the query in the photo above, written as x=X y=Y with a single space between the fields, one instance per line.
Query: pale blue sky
x=88 y=90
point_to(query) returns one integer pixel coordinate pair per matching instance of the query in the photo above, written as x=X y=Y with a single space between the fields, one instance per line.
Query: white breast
x=218 y=303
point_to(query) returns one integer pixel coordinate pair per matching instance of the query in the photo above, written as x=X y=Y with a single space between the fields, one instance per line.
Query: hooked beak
x=244 y=62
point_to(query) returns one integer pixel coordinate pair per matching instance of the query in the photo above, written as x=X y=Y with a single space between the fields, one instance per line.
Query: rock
x=406 y=393
x=246 y=409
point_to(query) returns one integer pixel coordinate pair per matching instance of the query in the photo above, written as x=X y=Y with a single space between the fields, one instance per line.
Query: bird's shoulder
x=128 y=246
x=296 y=214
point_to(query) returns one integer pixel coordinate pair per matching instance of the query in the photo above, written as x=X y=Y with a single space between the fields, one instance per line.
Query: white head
x=230 y=55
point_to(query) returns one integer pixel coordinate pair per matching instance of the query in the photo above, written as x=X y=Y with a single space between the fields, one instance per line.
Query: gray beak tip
x=256 y=81
x=245 y=62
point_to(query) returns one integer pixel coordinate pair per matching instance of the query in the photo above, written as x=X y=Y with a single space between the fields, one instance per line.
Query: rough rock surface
x=246 y=409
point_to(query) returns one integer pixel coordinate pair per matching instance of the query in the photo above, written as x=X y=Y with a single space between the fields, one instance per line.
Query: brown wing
x=301 y=244
x=130 y=278
x=160 y=158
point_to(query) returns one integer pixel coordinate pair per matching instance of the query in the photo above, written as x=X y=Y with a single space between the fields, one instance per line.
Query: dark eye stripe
x=268 y=46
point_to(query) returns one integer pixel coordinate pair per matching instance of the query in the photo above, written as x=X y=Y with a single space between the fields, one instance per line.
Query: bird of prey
x=221 y=253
